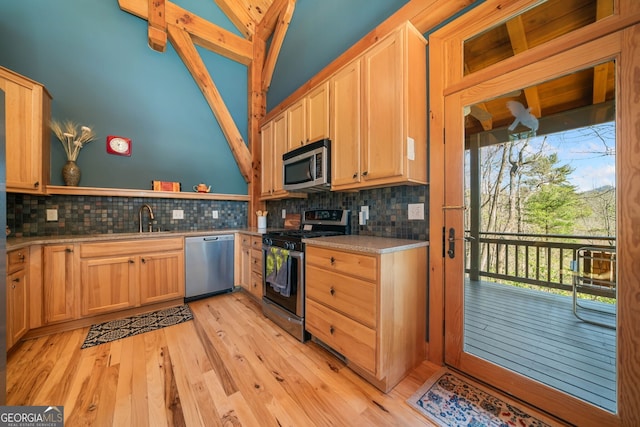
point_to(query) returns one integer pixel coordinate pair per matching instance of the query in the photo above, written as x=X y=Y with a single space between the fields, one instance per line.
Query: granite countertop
x=21 y=242
x=370 y=244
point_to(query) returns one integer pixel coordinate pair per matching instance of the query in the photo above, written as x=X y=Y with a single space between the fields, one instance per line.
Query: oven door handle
x=293 y=254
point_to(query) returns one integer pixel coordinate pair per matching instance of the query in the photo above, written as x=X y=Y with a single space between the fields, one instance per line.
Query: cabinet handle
x=36 y=184
x=365 y=173
x=131 y=261
x=332 y=259
x=301 y=142
x=21 y=256
x=332 y=291
x=16 y=280
x=331 y=330
x=355 y=175
x=144 y=260
x=68 y=250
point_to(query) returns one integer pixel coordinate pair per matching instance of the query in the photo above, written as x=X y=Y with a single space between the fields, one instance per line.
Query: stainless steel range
x=283 y=266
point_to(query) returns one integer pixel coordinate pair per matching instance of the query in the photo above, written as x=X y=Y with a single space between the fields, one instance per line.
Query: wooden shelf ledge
x=127 y=192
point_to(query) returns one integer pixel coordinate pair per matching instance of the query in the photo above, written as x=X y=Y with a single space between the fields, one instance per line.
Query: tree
x=554 y=208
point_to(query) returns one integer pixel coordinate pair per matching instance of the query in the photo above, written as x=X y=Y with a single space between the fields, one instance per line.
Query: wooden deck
x=536 y=334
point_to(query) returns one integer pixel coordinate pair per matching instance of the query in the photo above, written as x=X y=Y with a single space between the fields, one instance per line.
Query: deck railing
x=534 y=259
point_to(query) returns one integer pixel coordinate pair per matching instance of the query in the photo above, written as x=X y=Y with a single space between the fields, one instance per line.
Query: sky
x=590 y=151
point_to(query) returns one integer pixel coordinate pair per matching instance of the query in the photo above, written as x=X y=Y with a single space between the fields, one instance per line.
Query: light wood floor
x=230 y=366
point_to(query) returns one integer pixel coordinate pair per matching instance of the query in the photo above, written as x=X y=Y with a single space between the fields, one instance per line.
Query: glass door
x=531 y=230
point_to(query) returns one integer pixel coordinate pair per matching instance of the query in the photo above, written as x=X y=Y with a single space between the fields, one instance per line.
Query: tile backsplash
x=388 y=213
x=388 y=210
x=27 y=214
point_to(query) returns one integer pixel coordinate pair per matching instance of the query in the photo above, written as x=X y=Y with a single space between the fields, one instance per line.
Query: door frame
x=448 y=82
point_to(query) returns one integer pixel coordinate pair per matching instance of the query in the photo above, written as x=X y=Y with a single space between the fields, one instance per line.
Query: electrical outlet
x=284 y=214
x=178 y=214
x=365 y=212
x=215 y=214
x=416 y=211
x=52 y=214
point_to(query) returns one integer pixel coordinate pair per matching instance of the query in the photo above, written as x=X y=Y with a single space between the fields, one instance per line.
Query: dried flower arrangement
x=72 y=140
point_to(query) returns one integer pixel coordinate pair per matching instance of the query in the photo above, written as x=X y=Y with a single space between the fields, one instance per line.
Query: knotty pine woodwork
x=157 y=26
x=276 y=43
x=229 y=366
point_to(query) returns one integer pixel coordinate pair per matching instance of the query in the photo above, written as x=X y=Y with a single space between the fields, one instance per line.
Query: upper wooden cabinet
x=28 y=111
x=308 y=118
x=379 y=114
x=274 y=145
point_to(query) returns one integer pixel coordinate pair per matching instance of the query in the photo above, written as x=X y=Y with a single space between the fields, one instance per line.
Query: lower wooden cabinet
x=17 y=296
x=370 y=308
x=61 y=299
x=117 y=275
x=251 y=265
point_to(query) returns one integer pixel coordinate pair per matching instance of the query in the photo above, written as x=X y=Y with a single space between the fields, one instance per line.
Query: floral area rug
x=449 y=400
x=121 y=328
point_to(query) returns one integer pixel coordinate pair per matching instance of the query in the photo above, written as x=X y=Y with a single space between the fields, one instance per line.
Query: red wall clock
x=118 y=145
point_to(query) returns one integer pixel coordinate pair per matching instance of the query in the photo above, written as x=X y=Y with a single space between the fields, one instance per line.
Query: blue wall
x=318 y=33
x=94 y=59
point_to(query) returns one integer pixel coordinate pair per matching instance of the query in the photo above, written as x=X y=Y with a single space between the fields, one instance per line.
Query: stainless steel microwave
x=308 y=168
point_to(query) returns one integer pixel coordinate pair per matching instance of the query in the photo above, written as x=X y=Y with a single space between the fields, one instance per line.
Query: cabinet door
x=17 y=314
x=245 y=267
x=266 y=133
x=345 y=126
x=27 y=115
x=61 y=299
x=279 y=148
x=296 y=117
x=318 y=113
x=161 y=277
x=383 y=149
x=108 y=284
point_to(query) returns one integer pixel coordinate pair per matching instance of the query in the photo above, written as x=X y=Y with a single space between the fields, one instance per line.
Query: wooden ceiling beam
x=157 y=26
x=276 y=44
x=204 y=33
x=187 y=51
x=604 y=8
x=239 y=15
x=519 y=44
x=267 y=25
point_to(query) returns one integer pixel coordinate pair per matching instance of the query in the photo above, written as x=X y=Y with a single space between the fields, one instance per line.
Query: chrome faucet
x=151 y=217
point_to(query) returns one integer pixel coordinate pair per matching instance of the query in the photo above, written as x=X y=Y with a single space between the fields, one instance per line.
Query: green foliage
x=554 y=209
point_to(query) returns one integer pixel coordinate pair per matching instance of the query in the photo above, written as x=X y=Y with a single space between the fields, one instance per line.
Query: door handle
x=452 y=243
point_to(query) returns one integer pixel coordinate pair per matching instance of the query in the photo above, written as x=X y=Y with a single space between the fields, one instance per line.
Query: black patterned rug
x=449 y=400
x=122 y=328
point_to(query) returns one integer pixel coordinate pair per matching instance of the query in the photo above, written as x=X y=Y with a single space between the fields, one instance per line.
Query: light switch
x=178 y=214
x=215 y=214
x=416 y=211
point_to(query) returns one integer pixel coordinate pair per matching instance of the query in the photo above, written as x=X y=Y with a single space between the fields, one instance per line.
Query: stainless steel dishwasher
x=208 y=266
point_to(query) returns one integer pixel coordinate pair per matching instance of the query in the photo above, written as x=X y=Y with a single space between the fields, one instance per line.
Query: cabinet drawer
x=348 y=337
x=17 y=260
x=364 y=266
x=245 y=240
x=256 y=242
x=256 y=261
x=353 y=297
x=120 y=247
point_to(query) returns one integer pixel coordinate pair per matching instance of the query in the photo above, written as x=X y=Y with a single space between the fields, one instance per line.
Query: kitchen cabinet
x=60 y=287
x=378 y=114
x=244 y=262
x=17 y=296
x=124 y=274
x=274 y=145
x=256 y=267
x=251 y=265
x=370 y=308
x=28 y=141
x=308 y=118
